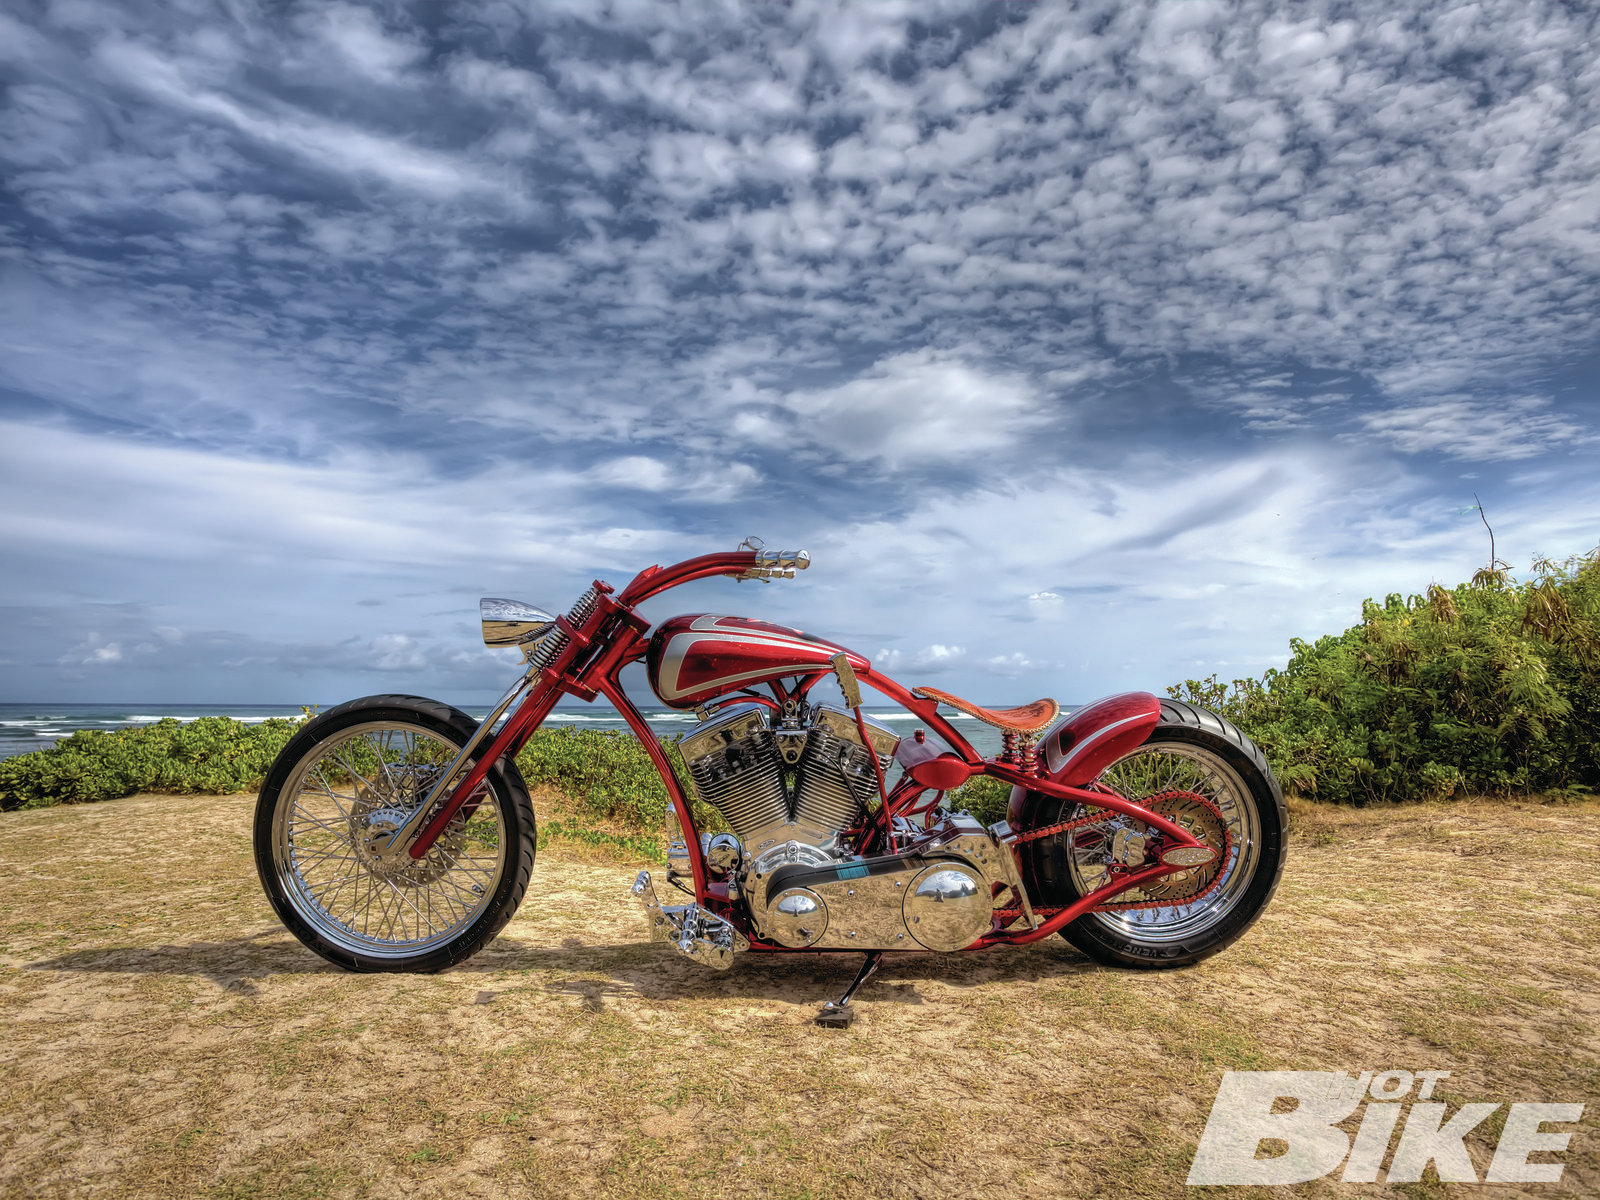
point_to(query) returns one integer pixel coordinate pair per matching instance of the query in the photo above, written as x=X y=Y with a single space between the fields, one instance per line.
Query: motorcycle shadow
x=230 y=964
x=646 y=970
x=654 y=972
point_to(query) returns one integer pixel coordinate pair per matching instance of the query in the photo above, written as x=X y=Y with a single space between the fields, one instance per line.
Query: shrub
x=212 y=754
x=609 y=774
x=1489 y=687
x=983 y=797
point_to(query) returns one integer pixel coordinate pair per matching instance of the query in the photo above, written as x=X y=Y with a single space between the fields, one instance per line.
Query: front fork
x=447 y=798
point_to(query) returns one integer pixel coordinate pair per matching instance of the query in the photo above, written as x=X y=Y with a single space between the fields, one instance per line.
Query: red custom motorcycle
x=395 y=833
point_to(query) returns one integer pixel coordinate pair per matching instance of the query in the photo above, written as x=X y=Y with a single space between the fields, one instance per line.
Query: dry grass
x=163 y=1036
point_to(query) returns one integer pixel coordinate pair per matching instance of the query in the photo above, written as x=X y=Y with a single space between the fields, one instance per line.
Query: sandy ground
x=161 y=1035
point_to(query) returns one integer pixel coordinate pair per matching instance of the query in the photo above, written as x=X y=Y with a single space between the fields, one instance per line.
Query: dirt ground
x=161 y=1035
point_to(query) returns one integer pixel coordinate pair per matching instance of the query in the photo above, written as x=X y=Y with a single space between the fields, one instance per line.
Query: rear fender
x=1077 y=749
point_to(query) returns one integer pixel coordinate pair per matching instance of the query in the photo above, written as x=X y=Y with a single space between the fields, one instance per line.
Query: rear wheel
x=1201 y=772
x=356 y=773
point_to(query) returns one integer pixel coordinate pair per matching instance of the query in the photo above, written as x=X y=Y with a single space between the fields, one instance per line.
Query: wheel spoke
x=1147 y=772
x=327 y=844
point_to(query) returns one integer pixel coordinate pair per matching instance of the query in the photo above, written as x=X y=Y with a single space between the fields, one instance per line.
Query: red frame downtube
x=611 y=689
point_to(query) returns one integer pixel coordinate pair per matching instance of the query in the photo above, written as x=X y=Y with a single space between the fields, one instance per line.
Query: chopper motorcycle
x=394 y=833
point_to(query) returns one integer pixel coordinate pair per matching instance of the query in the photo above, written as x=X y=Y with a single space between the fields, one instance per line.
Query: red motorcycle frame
x=605 y=634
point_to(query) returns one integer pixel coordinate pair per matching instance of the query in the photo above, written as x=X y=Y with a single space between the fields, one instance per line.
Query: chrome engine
x=938 y=894
x=787 y=786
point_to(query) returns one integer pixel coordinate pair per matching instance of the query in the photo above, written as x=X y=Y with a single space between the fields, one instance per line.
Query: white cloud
x=330 y=145
x=1035 y=317
x=1479 y=430
x=635 y=471
x=363 y=43
x=395 y=652
x=199 y=507
x=916 y=408
x=932 y=659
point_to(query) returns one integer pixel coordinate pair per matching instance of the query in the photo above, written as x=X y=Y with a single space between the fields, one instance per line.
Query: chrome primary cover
x=935 y=896
x=797 y=918
x=947 y=906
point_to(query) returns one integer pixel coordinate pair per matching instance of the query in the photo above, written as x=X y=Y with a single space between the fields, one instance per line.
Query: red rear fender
x=1077 y=749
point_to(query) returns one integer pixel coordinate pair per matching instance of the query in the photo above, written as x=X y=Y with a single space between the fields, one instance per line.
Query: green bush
x=1490 y=687
x=609 y=774
x=983 y=797
x=213 y=754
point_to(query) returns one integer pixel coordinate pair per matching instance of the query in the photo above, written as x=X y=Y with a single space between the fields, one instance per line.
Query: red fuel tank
x=701 y=655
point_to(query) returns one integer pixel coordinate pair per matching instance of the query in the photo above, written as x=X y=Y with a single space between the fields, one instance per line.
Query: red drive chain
x=1007 y=915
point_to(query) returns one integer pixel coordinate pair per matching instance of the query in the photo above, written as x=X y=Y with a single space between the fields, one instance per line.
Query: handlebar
x=797 y=560
x=776 y=564
x=748 y=562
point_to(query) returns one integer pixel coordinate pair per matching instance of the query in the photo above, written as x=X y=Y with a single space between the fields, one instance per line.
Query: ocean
x=25 y=727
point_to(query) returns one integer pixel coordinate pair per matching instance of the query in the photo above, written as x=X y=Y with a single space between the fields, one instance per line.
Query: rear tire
x=360 y=768
x=1190 y=749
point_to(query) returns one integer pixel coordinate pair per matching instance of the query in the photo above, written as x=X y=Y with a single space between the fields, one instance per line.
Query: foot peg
x=690 y=929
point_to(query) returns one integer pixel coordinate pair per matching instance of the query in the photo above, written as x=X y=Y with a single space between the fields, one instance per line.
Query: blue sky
x=1085 y=348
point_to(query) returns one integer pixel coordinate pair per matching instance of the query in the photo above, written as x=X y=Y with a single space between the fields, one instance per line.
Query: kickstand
x=837 y=1014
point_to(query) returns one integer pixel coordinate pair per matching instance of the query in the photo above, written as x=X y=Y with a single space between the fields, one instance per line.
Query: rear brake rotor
x=1201 y=819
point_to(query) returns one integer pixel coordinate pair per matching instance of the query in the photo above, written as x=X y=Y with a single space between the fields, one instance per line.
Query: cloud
x=196 y=506
x=93 y=651
x=930 y=660
x=635 y=471
x=362 y=42
x=1051 y=318
x=918 y=407
x=1479 y=430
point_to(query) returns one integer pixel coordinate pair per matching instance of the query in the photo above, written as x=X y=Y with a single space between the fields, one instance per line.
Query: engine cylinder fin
x=832 y=785
x=749 y=794
x=737 y=766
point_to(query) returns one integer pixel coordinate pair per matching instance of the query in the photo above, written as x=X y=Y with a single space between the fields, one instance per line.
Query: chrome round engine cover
x=947 y=906
x=788 y=853
x=723 y=854
x=797 y=917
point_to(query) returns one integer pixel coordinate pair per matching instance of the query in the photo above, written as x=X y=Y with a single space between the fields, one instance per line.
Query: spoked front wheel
x=349 y=777
x=1201 y=772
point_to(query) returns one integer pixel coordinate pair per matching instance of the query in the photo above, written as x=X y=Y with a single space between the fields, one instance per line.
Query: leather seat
x=1030 y=718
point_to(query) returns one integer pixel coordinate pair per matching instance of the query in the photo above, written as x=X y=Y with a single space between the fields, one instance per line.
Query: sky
x=1086 y=348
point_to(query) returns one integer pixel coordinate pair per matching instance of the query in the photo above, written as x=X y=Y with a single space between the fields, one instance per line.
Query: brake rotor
x=374 y=815
x=1202 y=820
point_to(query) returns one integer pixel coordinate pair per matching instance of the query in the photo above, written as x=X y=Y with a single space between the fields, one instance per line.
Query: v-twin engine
x=787 y=785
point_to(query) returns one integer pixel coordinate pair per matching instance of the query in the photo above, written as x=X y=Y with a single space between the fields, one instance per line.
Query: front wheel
x=1203 y=773
x=356 y=773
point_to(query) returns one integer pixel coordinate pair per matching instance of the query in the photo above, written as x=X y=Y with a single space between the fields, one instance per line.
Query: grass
x=166 y=1037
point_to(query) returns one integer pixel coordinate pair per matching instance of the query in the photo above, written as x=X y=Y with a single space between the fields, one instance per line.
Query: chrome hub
x=379 y=849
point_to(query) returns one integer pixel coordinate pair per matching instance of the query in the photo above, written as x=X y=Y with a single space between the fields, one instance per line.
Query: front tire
x=356 y=771
x=1195 y=752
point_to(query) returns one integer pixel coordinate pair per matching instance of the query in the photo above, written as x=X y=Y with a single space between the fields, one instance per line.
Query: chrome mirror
x=511 y=622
